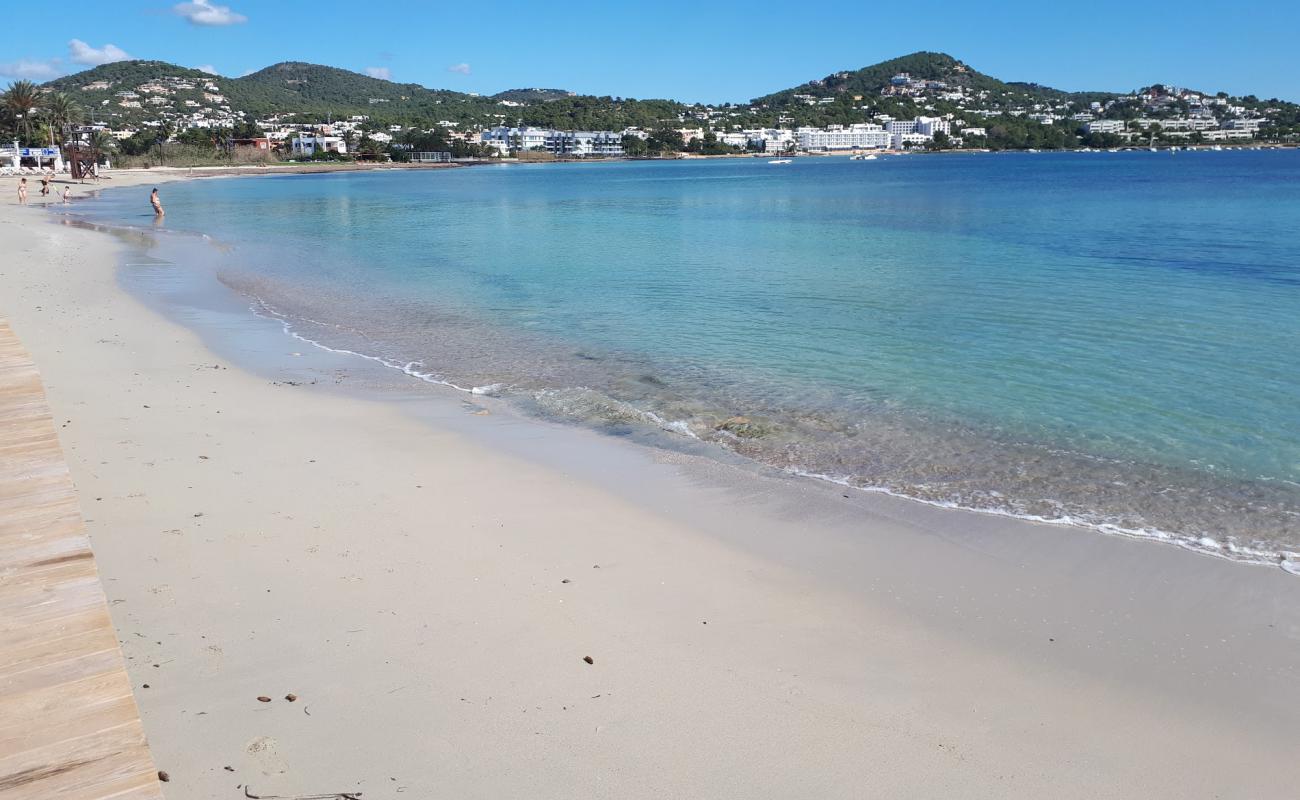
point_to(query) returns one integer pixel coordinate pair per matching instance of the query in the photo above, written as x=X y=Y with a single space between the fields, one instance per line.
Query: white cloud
x=205 y=12
x=208 y=68
x=461 y=68
x=382 y=73
x=81 y=53
x=30 y=70
x=47 y=69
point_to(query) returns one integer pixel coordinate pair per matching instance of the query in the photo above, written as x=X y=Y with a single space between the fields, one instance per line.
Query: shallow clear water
x=1109 y=339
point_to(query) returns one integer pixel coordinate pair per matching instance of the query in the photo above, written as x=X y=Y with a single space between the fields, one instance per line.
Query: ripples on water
x=1107 y=339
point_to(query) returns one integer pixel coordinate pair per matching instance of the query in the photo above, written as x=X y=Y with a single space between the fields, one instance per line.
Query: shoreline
x=1230 y=553
x=870 y=638
x=1084 y=522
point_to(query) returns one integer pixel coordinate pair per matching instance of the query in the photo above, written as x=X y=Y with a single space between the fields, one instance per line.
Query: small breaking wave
x=1205 y=545
x=740 y=435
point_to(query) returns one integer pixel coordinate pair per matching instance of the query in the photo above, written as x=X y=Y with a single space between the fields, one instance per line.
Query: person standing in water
x=67 y=194
x=22 y=192
x=156 y=203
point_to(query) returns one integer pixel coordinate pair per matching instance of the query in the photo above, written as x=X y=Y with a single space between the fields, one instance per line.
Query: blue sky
x=689 y=51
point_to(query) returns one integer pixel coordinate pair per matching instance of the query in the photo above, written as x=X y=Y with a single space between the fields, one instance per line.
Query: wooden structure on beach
x=69 y=727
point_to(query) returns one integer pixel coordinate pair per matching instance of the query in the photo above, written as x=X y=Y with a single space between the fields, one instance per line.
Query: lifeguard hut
x=82 y=159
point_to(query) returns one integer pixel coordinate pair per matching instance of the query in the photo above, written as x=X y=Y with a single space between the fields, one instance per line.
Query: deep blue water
x=1107 y=338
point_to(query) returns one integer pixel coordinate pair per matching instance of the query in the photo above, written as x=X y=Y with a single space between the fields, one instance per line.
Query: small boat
x=863 y=157
x=781 y=161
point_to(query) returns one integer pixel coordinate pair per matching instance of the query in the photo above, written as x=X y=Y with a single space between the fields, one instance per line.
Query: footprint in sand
x=213 y=661
x=164 y=595
x=262 y=751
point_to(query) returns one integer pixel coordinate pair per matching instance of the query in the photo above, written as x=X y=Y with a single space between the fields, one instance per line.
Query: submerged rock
x=742 y=427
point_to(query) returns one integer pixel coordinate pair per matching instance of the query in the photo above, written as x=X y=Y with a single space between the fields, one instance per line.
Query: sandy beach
x=466 y=603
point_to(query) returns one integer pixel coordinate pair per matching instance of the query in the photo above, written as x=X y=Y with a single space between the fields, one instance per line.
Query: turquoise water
x=1111 y=339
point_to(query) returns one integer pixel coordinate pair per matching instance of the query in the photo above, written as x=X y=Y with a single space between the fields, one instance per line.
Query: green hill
x=925 y=66
x=314 y=91
x=312 y=88
x=131 y=93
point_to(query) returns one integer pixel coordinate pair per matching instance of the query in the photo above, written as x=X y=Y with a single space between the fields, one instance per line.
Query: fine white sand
x=427 y=582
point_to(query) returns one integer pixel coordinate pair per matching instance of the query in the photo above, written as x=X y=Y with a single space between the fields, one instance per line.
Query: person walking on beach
x=22 y=192
x=45 y=185
x=67 y=194
x=156 y=203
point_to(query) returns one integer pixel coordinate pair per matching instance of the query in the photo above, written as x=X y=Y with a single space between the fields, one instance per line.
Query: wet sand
x=427 y=580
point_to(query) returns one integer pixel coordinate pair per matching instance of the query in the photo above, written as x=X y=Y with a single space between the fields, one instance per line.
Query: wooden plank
x=69 y=725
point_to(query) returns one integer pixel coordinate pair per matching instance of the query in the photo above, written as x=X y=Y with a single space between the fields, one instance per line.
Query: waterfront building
x=1179 y=123
x=739 y=139
x=505 y=140
x=1104 y=126
x=929 y=126
x=309 y=145
x=585 y=143
x=560 y=143
x=690 y=134
x=863 y=136
x=904 y=140
x=898 y=126
x=1227 y=135
x=259 y=143
x=1251 y=125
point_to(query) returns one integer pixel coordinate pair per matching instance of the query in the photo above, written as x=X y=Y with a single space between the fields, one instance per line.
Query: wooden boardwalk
x=69 y=727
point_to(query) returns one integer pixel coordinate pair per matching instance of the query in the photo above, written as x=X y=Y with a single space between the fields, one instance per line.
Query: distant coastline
x=170 y=172
x=143 y=113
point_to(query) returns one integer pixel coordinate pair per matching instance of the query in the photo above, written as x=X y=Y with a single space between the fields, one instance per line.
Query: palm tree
x=23 y=99
x=101 y=143
x=63 y=111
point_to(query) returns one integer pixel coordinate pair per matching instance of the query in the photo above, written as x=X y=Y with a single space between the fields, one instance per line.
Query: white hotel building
x=560 y=143
x=1106 y=126
x=903 y=132
x=863 y=136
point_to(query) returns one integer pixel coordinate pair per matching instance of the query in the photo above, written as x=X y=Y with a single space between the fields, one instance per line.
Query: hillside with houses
x=924 y=100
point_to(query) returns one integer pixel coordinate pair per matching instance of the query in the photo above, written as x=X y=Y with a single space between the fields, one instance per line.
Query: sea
x=1104 y=340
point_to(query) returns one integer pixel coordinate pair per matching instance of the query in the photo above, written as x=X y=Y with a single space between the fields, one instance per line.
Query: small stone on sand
x=263 y=699
x=291 y=697
x=163 y=776
x=589 y=659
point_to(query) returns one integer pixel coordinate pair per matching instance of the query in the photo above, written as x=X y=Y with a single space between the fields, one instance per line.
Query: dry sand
x=429 y=595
